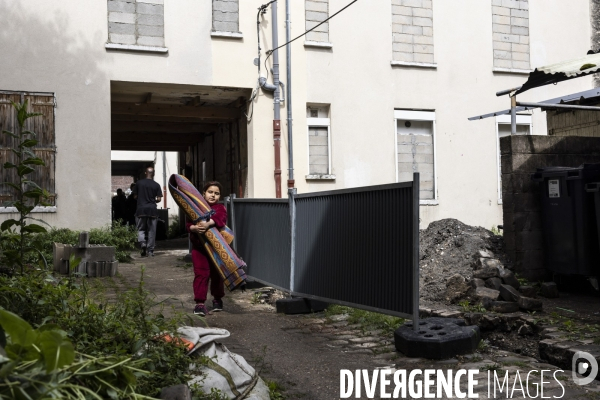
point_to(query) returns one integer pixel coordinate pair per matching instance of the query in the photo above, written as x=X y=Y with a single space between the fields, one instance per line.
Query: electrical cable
x=269 y=52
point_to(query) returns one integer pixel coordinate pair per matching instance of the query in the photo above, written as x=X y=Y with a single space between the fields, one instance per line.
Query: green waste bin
x=570 y=233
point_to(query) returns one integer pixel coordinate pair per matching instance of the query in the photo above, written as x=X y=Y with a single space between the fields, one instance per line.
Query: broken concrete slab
x=528 y=291
x=529 y=304
x=509 y=278
x=509 y=293
x=483 y=292
x=493 y=283
x=486 y=272
x=549 y=290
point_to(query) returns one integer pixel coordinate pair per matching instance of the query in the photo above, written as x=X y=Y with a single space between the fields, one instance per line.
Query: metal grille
x=357 y=247
x=262 y=239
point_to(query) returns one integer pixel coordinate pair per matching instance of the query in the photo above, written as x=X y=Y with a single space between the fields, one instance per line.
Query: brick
x=502 y=46
x=422 y=21
x=315 y=6
x=151 y=20
x=400 y=56
x=520 y=56
x=500 y=63
x=521 y=65
x=503 y=55
x=523 y=5
x=428 y=31
x=411 y=29
x=149 y=9
x=321 y=28
x=402 y=19
x=402 y=47
x=510 y=3
x=424 y=58
x=499 y=28
x=519 y=30
x=397 y=28
x=521 y=48
x=519 y=22
x=401 y=10
x=501 y=11
x=519 y=13
x=316 y=16
x=225 y=6
x=225 y=16
x=403 y=38
x=318 y=37
x=127 y=29
x=500 y=19
x=124 y=18
x=502 y=37
x=423 y=48
x=524 y=39
x=423 y=39
x=412 y=3
x=121 y=6
x=146 y=30
x=223 y=26
x=121 y=39
x=422 y=12
x=151 y=41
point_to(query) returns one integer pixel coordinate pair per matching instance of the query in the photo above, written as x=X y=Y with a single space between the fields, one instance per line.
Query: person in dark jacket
x=204 y=270
x=119 y=206
x=148 y=193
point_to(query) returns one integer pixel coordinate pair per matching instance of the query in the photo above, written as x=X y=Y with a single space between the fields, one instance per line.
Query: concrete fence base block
x=437 y=338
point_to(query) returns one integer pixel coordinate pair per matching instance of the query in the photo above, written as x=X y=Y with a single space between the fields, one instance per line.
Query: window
x=226 y=18
x=136 y=25
x=503 y=128
x=510 y=25
x=415 y=139
x=43 y=127
x=319 y=143
x=316 y=12
x=412 y=33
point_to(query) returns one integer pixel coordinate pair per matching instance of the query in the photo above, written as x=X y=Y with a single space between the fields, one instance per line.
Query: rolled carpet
x=216 y=241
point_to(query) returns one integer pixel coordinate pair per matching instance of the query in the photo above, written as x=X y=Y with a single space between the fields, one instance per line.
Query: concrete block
x=397 y=28
x=521 y=48
x=404 y=38
x=313 y=6
x=84 y=239
x=151 y=1
x=402 y=19
x=501 y=63
x=423 y=48
x=223 y=26
x=225 y=16
x=427 y=4
x=521 y=64
x=406 y=48
x=516 y=21
x=423 y=40
x=523 y=5
x=420 y=21
x=321 y=28
x=519 y=30
x=121 y=6
x=428 y=31
x=401 y=56
x=318 y=37
x=509 y=293
x=502 y=55
x=401 y=10
x=524 y=39
x=483 y=292
x=516 y=56
x=413 y=30
x=502 y=37
x=497 y=3
x=510 y=3
x=519 y=13
x=124 y=18
x=151 y=41
x=232 y=6
x=149 y=9
x=501 y=19
x=126 y=29
x=500 y=28
x=423 y=12
x=149 y=30
x=412 y=3
x=529 y=304
x=501 y=11
x=158 y=20
x=314 y=16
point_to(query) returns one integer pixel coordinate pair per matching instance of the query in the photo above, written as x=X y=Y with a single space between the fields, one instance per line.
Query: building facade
x=381 y=90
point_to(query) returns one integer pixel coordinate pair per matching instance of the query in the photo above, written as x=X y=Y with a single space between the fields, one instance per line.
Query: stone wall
x=412 y=31
x=510 y=26
x=317 y=11
x=120 y=182
x=226 y=16
x=136 y=22
x=520 y=157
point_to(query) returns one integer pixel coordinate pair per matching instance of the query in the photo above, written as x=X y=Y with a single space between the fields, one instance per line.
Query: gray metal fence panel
x=355 y=246
x=262 y=239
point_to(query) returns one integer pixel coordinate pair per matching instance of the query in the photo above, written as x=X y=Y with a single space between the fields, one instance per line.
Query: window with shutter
x=43 y=127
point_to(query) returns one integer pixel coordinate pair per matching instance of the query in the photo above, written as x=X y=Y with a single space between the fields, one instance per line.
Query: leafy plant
x=256 y=298
x=275 y=390
x=368 y=320
x=15 y=233
x=468 y=307
x=174 y=231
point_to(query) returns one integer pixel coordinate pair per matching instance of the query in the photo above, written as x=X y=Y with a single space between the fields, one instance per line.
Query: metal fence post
x=415 y=260
x=292 y=193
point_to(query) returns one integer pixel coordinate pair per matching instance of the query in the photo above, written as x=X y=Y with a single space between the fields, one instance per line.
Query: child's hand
x=202 y=226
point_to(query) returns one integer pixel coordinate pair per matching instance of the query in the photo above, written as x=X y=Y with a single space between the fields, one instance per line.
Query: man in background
x=148 y=193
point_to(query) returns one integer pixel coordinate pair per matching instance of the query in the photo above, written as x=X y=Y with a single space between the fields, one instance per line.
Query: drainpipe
x=291 y=188
x=276 y=116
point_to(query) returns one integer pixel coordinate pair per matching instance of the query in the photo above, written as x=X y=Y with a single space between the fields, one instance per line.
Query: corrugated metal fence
x=356 y=247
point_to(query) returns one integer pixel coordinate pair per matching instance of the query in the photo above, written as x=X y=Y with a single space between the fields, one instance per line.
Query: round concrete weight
x=437 y=338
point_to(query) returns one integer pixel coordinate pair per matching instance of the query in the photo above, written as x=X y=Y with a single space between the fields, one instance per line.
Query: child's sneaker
x=217 y=305
x=200 y=310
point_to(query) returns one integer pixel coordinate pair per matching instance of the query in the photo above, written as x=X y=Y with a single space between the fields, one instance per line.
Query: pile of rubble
x=460 y=262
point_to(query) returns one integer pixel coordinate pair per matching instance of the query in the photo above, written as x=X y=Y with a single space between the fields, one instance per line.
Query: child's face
x=212 y=195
